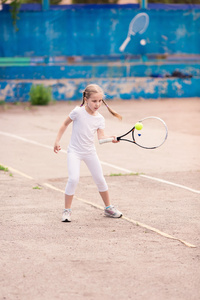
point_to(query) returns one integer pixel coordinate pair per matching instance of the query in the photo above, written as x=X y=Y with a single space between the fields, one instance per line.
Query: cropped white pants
x=93 y=164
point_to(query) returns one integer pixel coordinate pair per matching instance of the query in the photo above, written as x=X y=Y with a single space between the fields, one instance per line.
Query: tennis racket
x=139 y=25
x=153 y=134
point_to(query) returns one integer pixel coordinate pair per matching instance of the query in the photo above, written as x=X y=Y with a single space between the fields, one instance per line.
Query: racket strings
x=138 y=25
x=152 y=135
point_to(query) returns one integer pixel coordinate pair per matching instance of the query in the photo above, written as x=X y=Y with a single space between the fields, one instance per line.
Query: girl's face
x=93 y=103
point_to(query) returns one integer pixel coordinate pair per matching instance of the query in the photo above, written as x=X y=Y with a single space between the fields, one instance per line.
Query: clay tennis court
x=150 y=253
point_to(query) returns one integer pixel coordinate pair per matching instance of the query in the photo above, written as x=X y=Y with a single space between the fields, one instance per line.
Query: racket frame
x=120 y=138
x=131 y=32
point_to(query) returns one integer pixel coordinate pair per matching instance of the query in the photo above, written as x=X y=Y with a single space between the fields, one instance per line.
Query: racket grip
x=125 y=43
x=103 y=141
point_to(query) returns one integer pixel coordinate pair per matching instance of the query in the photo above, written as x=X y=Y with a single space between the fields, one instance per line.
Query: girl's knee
x=102 y=185
x=71 y=185
x=73 y=181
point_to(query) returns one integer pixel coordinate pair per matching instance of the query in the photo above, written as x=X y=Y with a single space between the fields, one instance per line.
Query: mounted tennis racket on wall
x=148 y=133
x=139 y=25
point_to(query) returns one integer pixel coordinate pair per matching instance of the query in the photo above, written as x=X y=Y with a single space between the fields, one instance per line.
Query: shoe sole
x=112 y=216
x=66 y=221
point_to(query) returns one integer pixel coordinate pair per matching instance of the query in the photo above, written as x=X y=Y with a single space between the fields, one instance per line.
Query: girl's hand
x=115 y=140
x=57 y=147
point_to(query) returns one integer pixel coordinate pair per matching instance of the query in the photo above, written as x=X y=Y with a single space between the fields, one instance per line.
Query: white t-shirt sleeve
x=73 y=113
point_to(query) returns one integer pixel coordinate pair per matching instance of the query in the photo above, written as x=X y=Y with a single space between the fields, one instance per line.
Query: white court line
x=102 y=208
x=170 y=183
x=103 y=163
x=20 y=173
x=127 y=219
x=25 y=140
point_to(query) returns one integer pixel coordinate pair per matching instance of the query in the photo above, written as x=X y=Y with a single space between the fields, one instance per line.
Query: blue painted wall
x=103 y=70
x=97 y=30
x=119 y=88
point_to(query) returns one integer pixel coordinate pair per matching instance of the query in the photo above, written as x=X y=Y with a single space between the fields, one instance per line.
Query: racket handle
x=103 y=141
x=125 y=43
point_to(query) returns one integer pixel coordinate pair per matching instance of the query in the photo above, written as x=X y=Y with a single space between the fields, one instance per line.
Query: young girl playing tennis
x=86 y=122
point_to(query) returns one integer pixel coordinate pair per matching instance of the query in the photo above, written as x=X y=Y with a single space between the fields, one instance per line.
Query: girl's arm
x=101 y=135
x=62 y=129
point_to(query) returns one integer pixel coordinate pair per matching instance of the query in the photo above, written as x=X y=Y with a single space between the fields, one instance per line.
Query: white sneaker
x=66 y=216
x=112 y=212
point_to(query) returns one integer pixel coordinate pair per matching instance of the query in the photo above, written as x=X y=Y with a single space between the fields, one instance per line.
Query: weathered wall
x=99 y=70
x=86 y=32
x=97 y=30
x=120 y=88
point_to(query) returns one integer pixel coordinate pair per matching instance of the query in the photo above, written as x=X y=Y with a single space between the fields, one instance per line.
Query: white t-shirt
x=84 y=129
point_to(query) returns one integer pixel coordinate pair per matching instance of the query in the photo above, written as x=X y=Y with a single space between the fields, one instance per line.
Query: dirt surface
x=96 y=257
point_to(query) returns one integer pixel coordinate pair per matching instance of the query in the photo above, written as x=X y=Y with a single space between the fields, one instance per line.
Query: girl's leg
x=68 y=201
x=73 y=164
x=93 y=164
x=105 y=197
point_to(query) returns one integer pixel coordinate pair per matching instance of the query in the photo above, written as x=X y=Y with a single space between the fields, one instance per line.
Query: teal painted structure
x=119 y=88
x=71 y=46
x=97 y=30
x=99 y=70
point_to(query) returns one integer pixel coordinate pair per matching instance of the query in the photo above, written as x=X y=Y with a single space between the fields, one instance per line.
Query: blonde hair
x=94 y=88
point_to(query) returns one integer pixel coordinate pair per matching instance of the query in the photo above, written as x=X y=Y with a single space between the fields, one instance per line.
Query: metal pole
x=144 y=4
x=45 y=4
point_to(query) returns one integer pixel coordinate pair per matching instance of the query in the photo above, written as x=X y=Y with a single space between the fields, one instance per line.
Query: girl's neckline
x=96 y=113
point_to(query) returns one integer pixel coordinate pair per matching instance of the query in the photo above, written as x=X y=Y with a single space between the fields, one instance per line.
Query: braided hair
x=94 y=88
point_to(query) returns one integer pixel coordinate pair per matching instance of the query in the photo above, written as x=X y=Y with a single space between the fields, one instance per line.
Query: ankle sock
x=108 y=206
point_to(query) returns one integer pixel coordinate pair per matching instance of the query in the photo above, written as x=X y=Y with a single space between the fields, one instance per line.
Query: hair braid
x=114 y=113
x=94 y=88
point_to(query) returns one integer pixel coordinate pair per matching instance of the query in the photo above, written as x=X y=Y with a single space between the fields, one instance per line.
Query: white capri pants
x=93 y=164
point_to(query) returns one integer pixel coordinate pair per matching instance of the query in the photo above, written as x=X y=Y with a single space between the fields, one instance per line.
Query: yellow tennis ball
x=138 y=126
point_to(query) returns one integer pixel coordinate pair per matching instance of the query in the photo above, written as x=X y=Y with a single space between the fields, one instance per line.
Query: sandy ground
x=95 y=257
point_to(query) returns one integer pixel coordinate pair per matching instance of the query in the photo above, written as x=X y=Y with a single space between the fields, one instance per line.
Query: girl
x=86 y=122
